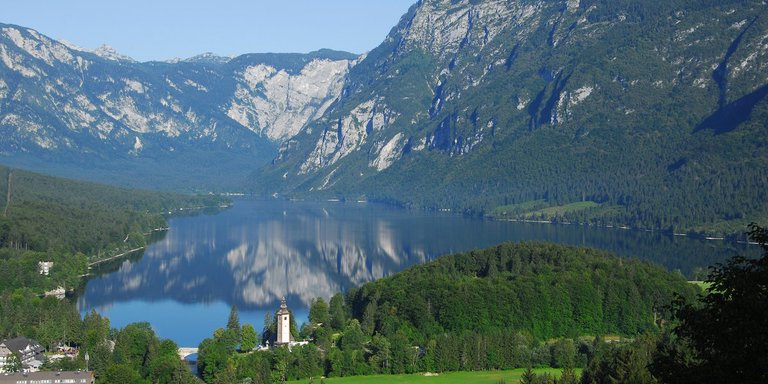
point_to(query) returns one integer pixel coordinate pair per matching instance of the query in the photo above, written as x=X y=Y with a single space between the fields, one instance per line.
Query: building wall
x=283 y=329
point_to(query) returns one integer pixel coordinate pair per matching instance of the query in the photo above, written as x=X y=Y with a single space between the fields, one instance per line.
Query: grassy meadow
x=478 y=377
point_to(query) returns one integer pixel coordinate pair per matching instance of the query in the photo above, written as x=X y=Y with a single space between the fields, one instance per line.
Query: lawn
x=480 y=377
x=702 y=284
x=538 y=210
x=562 y=209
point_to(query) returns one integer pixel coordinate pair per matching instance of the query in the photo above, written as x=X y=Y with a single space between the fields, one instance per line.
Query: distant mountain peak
x=72 y=46
x=208 y=57
x=107 y=52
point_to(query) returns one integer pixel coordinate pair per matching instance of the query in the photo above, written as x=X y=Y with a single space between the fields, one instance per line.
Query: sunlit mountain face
x=201 y=123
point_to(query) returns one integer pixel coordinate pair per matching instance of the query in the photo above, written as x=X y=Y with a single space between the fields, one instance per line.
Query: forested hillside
x=544 y=289
x=42 y=213
x=647 y=114
x=510 y=306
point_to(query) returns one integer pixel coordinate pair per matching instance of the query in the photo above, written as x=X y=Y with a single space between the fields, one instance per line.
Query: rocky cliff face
x=474 y=104
x=63 y=104
x=277 y=102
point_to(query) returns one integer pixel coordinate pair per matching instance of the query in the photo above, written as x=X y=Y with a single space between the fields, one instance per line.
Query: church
x=284 y=337
x=283 y=325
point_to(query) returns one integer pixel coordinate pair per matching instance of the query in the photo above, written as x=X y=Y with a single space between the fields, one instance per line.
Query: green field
x=481 y=377
x=561 y=209
x=538 y=210
x=704 y=285
x=512 y=209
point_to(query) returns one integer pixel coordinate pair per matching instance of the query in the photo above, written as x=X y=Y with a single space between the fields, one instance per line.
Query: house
x=44 y=267
x=28 y=350
x=59 y=377
x=58 y=293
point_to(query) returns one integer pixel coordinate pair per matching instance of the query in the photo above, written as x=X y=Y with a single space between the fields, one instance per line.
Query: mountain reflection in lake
x=258 y=251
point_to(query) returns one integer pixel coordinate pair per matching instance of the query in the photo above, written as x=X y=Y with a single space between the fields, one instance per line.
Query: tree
x=726 y=328
x=569 y=376
x=528 y=376
x=122 y=373
x=318 y=312
x=96 y=329
x=269 y=332
x=12 y=363
x=212 y=358
x=338 y=314
x=234 y=319
x=136 y=346
x=380 y=359
x=247 y=338
x=280 y=364
x=233 y=323
x=227 y=376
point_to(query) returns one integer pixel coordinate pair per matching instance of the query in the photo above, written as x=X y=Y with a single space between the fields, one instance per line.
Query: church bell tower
x=283 y=324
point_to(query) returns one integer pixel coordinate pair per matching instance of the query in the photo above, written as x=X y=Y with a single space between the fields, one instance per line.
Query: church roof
x=283 y=307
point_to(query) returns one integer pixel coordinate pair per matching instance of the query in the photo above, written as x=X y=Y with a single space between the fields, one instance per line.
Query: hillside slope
x=655 y=111
x=545 y=290
x=43 y=213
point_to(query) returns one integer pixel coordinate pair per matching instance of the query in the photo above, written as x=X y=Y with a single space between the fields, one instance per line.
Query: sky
x=164 y=29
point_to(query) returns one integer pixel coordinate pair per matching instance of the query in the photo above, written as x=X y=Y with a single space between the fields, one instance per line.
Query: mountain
x=201 y=123
x=642 y=113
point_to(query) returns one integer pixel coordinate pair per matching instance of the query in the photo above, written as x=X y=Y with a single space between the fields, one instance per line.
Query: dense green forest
x=73 y=224
x=510 y=306
x=545 y=289
x=42 y=213
x=133 y=354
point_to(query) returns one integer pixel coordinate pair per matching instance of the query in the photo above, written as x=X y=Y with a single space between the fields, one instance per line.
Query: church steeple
x=283 y=324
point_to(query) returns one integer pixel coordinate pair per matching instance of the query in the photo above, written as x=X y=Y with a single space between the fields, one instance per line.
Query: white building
x=5 y=354
x=283 y=325
x=44 y=267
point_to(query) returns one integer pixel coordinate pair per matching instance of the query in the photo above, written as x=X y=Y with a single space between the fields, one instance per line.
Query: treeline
x=45 y=213
x=70 y=223
x=545 y=289
x=22 y=271
x=511 y=306
x=133 y=354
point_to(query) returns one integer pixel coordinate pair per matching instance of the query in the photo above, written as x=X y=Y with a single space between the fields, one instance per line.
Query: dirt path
x=10 y=188
x=97 y=262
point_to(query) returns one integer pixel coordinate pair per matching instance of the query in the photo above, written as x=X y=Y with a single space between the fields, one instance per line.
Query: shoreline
x=97 y=262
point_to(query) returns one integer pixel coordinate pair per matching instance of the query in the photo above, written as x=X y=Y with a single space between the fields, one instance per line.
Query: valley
x=568 y=191
x=467 y=106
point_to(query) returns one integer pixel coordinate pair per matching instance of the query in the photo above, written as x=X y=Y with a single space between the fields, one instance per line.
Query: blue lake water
x=256 y=252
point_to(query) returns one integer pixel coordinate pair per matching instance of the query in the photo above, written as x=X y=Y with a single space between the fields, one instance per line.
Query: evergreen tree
x=528 y=376
x=318 y=312
x=727 y=327
x=247 y=337
x=338 y=313
x=233 y=322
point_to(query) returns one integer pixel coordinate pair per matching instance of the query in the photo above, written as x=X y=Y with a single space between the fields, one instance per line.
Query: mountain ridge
x=201 y=123
x=472 y=105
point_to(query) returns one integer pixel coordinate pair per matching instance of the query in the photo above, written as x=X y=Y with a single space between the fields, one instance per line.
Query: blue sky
x=164 y=29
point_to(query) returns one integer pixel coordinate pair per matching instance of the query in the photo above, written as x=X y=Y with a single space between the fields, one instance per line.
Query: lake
x=251 y=255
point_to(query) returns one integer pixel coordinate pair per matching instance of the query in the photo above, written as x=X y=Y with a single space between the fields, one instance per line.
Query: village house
x=44 y=267
x=28 y=350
